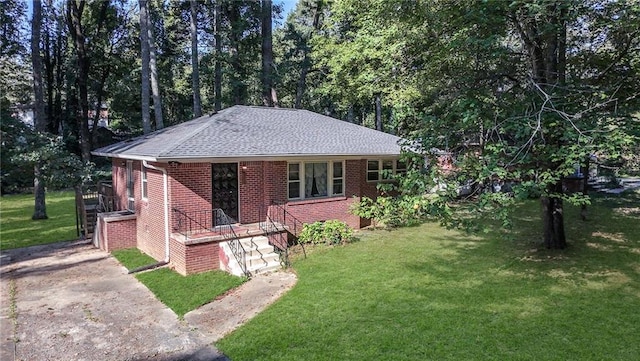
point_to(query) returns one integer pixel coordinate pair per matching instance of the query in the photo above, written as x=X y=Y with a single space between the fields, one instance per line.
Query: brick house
x=223 y=189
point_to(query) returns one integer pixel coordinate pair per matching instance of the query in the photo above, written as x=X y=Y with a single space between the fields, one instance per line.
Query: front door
x=224 y=183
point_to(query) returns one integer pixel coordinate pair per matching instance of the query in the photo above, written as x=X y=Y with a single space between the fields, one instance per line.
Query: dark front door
x=224 y=183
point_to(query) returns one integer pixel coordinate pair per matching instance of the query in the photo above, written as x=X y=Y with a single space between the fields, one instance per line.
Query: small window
x=387 y=169
x=143 y=181
x=338 y=179
x=384 y=169
x=294 y=180
x=401 y=167
x=373 y=170
x=130 y=194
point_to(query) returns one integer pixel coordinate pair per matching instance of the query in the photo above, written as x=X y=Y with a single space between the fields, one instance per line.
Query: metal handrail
x=190 y=223
x=234 y=242
x=276 y=214
x=282 y=216
x=193 y=222
x=282 y=242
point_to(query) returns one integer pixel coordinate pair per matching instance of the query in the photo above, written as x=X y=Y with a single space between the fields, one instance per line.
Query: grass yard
x=180 y=293
x=186 y=293
x=132 y=258
x=17 y=229
x=425 y=293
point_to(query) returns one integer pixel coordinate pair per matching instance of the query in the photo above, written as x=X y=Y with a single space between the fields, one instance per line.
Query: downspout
x=166 y=206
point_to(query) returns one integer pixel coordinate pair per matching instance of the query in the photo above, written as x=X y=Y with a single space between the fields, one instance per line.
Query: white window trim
x=130 y=186
x=380 y=177
x=144 y=182
x=330 y=179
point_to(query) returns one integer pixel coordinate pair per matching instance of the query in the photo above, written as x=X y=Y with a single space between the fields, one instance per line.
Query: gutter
x=165 y=179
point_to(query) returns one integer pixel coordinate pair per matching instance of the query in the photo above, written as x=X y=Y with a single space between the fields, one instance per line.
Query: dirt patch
x=75 y=302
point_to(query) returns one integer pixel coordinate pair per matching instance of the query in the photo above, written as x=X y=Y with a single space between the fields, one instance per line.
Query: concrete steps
x=260 y=256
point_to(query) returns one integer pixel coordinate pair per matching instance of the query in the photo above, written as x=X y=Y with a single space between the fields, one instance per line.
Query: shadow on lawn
x=602 y=252
x=523 y=280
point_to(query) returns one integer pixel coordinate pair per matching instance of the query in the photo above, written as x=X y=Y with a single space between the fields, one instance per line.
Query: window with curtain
x=316 y=179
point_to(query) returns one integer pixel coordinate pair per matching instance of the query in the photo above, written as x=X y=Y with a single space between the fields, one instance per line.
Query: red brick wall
x=252 y=192
x=117 y=234
x=266 y=182
x=195 y=258
x=190 y=188
x=312 y=210
x=150 y=212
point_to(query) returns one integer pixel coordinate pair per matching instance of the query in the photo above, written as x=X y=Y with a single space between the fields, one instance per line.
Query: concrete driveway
x=75 y=302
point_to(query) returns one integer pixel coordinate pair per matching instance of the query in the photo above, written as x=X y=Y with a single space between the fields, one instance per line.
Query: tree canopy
x=518 y=93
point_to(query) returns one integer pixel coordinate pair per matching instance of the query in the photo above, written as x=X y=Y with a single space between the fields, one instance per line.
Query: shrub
x=393 y=211
x=328 y=232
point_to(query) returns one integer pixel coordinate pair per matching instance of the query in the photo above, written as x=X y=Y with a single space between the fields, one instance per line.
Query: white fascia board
x=292 y=157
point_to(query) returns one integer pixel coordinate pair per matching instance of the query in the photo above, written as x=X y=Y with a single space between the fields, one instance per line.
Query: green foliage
x=329 y=232
x=405 y=210
x=426 y=293
x=186 y=293
x=18 y=230
x=23 y=148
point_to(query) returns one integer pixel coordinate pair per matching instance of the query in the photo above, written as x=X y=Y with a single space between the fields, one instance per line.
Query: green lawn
x=180 y=293
x=18 y=230
x=424 y=293
x=185 y=293
x=133 y=258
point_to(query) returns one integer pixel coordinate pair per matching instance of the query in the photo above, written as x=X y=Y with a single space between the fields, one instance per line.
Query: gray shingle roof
x=254 y=133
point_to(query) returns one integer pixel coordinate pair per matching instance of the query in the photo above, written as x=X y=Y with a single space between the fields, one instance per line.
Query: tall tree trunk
x=39 y=119
x=238 y=87
x=585 y=186
x=144 y=86
x=269 y=97
x=195 y=68
x=74 y=17
x=217 y=72
x=99 y=90
x=49 y=65
x=306 y=62
x=60 y=75
x=545 y=41
x=153 y=69
x=302 y=81
x=378 y=113
x=553 y=219
x=351 y=115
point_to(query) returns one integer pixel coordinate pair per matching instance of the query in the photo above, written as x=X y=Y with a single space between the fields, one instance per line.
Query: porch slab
x=240 y=230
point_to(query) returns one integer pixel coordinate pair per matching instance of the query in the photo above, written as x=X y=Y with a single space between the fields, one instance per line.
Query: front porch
x=241 y=249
